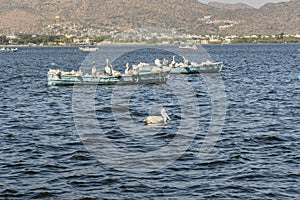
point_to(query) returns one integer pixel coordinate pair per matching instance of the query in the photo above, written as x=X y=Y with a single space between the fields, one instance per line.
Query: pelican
x=107 y=69
x=194 y=64
x=165 y=62
x=136 y=71
x=114 y=72
x=173 y=63
x=79 y=73
x=143 y=64
x=158 y=119
x=178 y=64
x=94 y=69
x=166 y=68
x=185 y=62
x=127 y=70
x=157 y=62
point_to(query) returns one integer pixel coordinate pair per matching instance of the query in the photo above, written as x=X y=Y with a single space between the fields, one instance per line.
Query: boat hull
x=69 y=80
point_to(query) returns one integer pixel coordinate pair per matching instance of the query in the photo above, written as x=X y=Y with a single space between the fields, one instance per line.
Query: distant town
x=71 y=35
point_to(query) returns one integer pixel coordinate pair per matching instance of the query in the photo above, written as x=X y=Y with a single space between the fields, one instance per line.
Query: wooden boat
x=204 y=67
x=88 y=49
x=61 y=78
x=188 y=47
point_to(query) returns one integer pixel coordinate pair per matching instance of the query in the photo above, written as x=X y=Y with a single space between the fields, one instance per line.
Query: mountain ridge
x=229 y=6
x=189 y=15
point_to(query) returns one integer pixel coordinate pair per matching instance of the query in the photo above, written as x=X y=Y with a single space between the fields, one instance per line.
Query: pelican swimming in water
x=158 y=119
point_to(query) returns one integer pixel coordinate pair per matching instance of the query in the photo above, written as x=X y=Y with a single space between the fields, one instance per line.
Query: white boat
x=88 y=49
x=188 y=47
x=7 y=49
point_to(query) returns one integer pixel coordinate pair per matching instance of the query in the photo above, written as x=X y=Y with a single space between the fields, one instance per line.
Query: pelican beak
x=167 y=116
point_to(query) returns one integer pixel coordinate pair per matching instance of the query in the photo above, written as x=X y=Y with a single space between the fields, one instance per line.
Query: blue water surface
x=257 y=155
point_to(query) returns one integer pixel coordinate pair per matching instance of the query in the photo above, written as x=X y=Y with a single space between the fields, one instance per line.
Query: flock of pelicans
x=160 y=66
x=134 y=70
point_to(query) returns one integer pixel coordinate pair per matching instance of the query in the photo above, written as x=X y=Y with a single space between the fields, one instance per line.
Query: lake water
x=233 y=135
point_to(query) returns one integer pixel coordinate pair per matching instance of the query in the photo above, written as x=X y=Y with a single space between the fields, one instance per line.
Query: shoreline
x=131 y=44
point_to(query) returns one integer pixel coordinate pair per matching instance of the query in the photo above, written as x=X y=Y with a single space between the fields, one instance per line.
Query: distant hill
x=214 y=18
x=272 y=18
x=229 y=6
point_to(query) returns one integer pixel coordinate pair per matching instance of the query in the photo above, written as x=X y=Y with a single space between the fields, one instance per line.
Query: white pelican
x=114 y=72
x=158 y=119
x=178 y=64
x=194 y=64
x=94 y=69
x=166 y=68
x=185 y=63
x=165 y=62
x=107 y=69
x=143 y=64
x=79 y=73
x=136 y=71
x=127 y=70
x=157 y=62
x=173 y=63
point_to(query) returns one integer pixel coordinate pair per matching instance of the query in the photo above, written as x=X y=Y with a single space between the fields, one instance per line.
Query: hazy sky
x=253 y=3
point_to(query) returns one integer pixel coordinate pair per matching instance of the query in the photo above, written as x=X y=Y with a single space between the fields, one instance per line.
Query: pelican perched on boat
x=79 y=73
x=185 y=62
x=127 y=70
x=194 y=64
x=114 y=72
x=107 y=69
x=143 y=64
x=94 y=69
x=158 y=119
x=135 y=69
x=166 y=68
x=173 y=63
x=165 y=62
x=157 y=62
